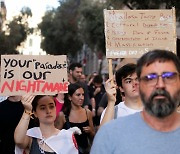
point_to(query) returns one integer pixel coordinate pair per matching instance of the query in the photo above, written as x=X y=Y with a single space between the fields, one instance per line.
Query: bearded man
x=155 y=130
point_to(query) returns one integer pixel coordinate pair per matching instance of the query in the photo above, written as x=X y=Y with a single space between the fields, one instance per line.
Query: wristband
x=29 y=113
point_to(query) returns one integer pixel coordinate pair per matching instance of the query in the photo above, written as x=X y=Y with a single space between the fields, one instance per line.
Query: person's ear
x=69 y=97
x=70 y=71
x=121 y=89
x=35 y=114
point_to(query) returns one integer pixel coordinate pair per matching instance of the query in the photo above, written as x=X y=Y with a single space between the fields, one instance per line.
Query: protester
x=91 y=78
x=92 y=99
x=96 y=91
x=156 y=129
x=59 y=100
x=45 y=138
x=127 y=82
x=75 y=72
x=104 y=101
x=83 y=78
x=11 y=111
x=75 y=115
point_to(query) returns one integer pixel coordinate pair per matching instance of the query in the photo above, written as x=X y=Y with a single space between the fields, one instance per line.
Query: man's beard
x=75 y=78
x=161 y=107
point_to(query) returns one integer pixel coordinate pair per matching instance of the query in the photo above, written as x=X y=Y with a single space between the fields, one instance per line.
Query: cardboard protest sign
x=131 y=33
x=22 y=74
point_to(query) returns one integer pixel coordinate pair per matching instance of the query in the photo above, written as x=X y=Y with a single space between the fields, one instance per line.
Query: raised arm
x=20 y=137
x=111 y=94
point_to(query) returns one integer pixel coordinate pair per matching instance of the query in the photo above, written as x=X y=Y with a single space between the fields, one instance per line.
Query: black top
x=35 y=149
x=82 y=140
x=104 y=100
x=98 y=96
x=10 y=115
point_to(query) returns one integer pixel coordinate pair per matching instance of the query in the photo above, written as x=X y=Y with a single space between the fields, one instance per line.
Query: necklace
x=42 y=143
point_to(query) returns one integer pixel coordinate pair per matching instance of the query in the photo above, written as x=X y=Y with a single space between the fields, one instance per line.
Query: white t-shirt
x=122 y=110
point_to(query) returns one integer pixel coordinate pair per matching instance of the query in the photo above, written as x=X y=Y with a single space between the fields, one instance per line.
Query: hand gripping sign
x=131 y=33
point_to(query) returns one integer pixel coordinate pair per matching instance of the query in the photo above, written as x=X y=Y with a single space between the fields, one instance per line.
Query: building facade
x=3 y=13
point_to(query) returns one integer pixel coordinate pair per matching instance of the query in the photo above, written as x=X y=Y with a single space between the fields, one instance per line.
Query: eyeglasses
x=167 y=77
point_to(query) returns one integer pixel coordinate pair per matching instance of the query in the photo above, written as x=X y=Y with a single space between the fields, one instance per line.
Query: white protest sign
x=22 y=74
x=131 y=33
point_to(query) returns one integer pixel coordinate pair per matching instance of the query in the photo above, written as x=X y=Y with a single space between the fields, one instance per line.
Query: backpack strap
x=87 y=114
x=67 y=122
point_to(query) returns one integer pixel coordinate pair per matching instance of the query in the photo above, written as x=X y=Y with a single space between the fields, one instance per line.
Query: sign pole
x=175 y=35
x=110 y=70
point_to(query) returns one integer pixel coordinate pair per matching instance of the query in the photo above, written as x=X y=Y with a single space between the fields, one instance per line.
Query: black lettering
x=7 y=62
x=14 y=63
x=45 y=74
x=35 y=75
x=27 y=75
x=8 y=74
x=42 y=66
x=22 y=64
x=28 y=63
x=37 y=64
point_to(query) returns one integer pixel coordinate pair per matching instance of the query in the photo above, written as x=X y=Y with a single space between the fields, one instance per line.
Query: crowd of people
x=136 y=113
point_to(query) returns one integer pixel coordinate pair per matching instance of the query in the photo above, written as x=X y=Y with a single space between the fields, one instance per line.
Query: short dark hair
x=98 y=79
x=123 y=72
x=74 y=65
x=154 y=55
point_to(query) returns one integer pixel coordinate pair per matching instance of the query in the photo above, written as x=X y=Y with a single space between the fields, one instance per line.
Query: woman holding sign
x=45 y=138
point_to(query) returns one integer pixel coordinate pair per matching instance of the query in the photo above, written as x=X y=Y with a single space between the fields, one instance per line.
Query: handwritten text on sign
x=33 y=74
x=131 y=33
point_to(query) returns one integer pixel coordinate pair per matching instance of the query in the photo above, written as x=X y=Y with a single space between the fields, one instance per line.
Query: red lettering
x=38 y=84
x=19 y=85
x=6 y=84
x=56 y=87
x=60 y=87
x=48 y=86
x=33 y=86
x=66 y=86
